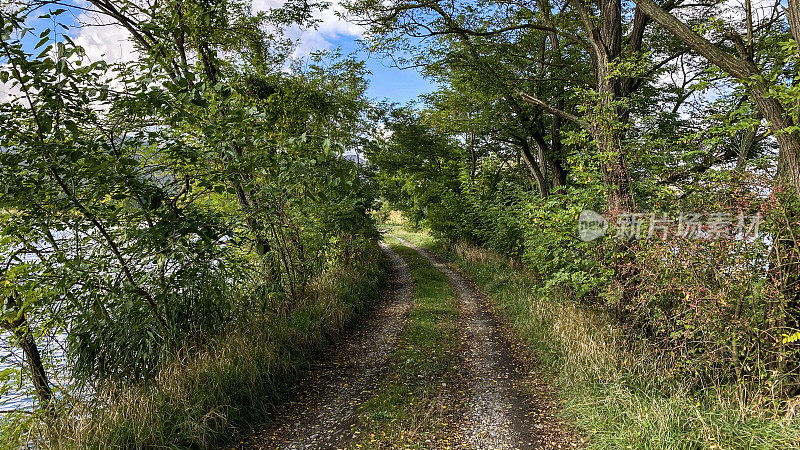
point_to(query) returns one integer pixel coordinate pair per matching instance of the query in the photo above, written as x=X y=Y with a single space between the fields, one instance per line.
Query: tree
x=143 y=205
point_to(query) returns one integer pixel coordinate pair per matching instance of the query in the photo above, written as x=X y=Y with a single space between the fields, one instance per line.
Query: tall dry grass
x=617 y=390
x=205 y=399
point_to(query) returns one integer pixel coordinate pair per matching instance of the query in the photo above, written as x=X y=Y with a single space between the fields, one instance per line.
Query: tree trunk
x=559 y=174
x=33 y=359
x=619 y=195
x=748 y=141
x=534 y=168
x=556 y=146
x=793 y=17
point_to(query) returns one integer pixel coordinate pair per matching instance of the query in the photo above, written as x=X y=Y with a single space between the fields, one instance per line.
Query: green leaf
x=71 y=126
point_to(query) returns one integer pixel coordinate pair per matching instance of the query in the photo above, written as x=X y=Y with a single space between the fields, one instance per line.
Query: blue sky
x=386 y=81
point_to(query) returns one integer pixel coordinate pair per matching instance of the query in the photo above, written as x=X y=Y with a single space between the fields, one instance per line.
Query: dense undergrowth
x=205 y=398
x=616 y=388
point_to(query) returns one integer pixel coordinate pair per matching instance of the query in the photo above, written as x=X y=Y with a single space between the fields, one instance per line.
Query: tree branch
x=555 y=111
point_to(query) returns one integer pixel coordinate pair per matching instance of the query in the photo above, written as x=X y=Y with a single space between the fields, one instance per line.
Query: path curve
x=499 y=412
x=325 y=402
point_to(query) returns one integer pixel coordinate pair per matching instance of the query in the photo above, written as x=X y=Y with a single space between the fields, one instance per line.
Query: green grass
x=615 y=391
x=205 y=399
x=418 y=238
x=412 y=407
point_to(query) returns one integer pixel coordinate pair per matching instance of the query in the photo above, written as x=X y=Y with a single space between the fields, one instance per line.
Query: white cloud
x=330 y=28
x=7 y=91
x=102 y=38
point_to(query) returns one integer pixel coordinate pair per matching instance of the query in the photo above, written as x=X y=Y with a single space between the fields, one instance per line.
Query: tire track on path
x=498 y=412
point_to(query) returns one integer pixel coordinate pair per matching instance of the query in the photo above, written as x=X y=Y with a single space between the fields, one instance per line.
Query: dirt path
x=504 y=405
x=324 y=404
x=507 y=407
